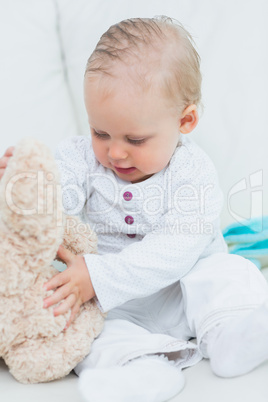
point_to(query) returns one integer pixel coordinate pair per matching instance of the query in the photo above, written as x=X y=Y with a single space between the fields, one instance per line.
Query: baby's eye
x=136 y=142
x=102 y=136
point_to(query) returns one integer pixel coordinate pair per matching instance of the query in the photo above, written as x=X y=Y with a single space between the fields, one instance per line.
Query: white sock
x=240 y=345
x=146 y=379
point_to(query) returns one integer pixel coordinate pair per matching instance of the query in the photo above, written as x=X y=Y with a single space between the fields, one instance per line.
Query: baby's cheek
x=98 y=149
x=154 y=164
x=101 y=157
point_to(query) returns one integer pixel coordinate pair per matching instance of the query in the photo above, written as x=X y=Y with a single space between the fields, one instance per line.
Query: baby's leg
x=126 y=364
x=226 y=299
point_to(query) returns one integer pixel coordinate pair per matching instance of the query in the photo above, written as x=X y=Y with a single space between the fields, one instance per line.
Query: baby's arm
x=73 y=286
x=166 y=254
x=144 y=267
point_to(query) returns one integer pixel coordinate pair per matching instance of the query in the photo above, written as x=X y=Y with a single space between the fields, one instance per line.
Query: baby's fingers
x=75 y=310
x=9 y=151
x=60 y=294
x=5 y=158
x=3 y=162
x=57 y=280
x=66 y=305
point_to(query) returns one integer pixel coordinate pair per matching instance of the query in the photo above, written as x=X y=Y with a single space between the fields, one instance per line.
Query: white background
x=44 y=45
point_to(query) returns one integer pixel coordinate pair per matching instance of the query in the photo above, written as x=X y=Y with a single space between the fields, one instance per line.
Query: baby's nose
x=117 y=152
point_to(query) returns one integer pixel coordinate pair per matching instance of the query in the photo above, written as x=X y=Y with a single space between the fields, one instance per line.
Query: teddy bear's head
x=32 y=226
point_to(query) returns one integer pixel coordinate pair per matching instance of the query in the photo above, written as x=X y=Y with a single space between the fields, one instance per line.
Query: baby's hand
x=73 y=286
x=4 y=160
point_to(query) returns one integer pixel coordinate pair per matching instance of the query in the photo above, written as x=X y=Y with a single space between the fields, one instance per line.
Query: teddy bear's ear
x=30 y=196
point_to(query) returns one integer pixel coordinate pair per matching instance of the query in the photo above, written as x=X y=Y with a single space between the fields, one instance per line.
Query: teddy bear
x=34 y=344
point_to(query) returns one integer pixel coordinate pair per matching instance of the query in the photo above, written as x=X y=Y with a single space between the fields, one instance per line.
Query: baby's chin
x=142 y=178
x=134 y=177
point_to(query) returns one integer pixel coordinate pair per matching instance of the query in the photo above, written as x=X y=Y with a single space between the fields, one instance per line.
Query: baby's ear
x=189 y=119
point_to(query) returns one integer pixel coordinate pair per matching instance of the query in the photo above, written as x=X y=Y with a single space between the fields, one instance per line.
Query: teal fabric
x=249 y=239
x=248 y=231
x=253 y=249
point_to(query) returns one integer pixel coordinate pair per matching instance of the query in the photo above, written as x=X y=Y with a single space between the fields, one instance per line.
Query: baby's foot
x=241 y=344
x=150 y=379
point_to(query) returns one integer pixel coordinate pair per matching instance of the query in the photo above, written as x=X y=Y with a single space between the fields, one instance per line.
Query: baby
x=163 y=273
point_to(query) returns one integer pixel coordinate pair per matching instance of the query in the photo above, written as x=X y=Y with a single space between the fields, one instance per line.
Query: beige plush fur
x=33 y=342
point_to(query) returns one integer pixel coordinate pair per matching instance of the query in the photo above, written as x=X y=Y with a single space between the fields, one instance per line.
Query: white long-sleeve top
x=150 y=234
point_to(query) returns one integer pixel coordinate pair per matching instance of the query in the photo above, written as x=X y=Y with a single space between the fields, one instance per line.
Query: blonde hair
x=161 y=50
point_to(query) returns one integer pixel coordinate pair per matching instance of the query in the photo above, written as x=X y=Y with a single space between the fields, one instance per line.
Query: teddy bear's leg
x=45 y=359
x=38 y=360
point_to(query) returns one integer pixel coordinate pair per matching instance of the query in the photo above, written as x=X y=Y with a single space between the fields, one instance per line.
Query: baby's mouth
x=125 y=170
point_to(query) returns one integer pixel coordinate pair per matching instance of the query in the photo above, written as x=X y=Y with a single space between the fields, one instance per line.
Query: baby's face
x=133 y=134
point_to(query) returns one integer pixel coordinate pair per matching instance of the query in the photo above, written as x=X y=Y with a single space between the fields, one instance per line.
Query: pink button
x=129 y=219
x=131 y=235
x=127 y=195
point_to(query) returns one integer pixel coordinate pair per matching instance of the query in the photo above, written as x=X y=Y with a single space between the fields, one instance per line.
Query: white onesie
x=150 y=234
x=163 y=271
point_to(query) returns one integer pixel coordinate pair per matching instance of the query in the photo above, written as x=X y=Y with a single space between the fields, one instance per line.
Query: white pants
x=218 y=288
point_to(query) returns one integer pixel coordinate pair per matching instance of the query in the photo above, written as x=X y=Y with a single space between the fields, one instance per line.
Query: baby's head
x=142 y=89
